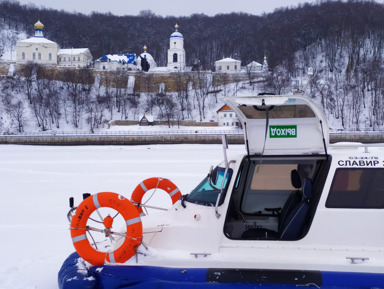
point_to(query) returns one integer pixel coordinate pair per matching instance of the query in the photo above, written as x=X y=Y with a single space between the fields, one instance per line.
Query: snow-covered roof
x=126 y=58
x=228 y=59
x=177 y=34
x=147 y=116
x=254 y=63
x=72 y=51
x=35 y=39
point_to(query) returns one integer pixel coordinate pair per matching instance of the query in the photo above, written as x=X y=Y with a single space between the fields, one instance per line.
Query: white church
x=37 y=48
x=41 y=50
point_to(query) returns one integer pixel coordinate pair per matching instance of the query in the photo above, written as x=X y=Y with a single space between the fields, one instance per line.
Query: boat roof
x=281 y=124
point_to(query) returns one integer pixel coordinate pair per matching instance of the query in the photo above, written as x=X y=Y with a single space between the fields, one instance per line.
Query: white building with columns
x=176 y=52
x=37 y=48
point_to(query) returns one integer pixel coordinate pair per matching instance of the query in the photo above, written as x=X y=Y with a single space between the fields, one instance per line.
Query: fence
x=160 y=137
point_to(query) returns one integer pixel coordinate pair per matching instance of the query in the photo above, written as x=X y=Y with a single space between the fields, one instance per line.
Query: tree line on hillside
x=243 y=36
x=81 y=98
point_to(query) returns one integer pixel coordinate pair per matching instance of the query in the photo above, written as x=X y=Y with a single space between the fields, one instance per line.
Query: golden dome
x=39 y=25
x=145 y=48
x=176 y=26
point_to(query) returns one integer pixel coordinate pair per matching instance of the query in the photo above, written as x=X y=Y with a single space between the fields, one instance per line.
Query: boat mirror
x=213 y=176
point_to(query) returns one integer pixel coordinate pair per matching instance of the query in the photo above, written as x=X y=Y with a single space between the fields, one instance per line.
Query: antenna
x=225 y=147
x=325 y=146
x=246 y=138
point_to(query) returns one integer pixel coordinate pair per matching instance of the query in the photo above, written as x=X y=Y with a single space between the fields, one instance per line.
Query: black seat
x=293 y=199
x=293 y=225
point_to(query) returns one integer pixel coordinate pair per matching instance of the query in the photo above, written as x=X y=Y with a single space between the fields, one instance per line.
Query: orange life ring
x=132 y=220
x=154 y=183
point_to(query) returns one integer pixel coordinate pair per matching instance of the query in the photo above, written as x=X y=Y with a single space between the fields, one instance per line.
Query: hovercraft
x=293 y=211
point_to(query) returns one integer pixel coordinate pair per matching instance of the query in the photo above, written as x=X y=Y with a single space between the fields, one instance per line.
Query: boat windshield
x=207 y=191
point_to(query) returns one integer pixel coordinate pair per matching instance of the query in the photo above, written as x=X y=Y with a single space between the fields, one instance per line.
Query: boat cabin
x=280 y=180
x=287 y=176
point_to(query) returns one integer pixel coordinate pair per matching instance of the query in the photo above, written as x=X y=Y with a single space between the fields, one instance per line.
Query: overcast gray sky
x=168 y=7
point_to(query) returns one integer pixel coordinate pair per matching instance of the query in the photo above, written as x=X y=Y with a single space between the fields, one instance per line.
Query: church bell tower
x=176 y=52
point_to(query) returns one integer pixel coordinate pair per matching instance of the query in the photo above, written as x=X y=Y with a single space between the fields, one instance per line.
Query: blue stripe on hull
x=146 y=277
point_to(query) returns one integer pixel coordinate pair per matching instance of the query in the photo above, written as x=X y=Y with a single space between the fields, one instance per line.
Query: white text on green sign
x=283 y=131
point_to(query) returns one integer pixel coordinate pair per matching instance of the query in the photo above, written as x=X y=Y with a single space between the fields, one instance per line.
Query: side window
x=268 y=187
x=357 y=188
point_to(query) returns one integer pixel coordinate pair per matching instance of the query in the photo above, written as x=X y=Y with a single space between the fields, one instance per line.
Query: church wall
x=228 y=66
x=44 y=50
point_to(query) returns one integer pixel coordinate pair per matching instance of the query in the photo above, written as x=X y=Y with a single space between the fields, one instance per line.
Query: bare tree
x=16 y=111
x=278 y=81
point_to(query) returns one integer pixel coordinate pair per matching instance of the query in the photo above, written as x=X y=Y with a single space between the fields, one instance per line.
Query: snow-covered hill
x=8 y=39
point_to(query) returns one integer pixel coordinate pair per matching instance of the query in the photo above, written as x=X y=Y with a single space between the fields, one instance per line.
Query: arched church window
x=50 y=56
x=174 y=57
x=23 y=55
x=39 y=55
x=33 y=55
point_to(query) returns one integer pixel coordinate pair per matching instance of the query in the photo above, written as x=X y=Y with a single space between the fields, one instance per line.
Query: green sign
x=283 y=131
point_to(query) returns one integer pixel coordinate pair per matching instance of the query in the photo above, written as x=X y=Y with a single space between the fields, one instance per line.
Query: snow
x=227 y=60
x=254 y=64
x=72 y=51
x=127 y=58
x=36 y=39
x=37 y=181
